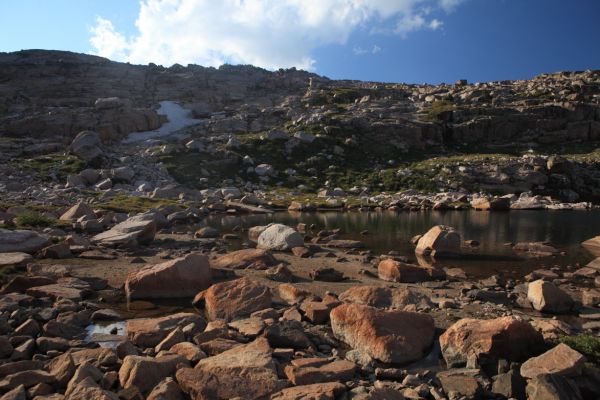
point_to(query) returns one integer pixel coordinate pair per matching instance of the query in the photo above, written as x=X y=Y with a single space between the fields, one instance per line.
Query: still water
x=389 y=231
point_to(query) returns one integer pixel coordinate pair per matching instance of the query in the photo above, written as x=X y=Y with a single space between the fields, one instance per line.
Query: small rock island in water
x=239 y=233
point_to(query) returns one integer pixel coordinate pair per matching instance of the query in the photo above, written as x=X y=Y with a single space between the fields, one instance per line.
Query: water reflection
x=493 y=230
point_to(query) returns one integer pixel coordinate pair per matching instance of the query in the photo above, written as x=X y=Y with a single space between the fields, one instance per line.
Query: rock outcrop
x=179 y=278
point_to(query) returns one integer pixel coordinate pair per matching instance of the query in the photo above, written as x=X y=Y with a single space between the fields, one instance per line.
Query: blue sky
x=380 y=40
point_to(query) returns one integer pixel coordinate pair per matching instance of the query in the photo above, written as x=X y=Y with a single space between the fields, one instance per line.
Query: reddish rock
x=396 y=271
x=145 y=372
x=439 y=241
x=383 y=297
x=468 y=382
x=148 y=332
x=388 y=336
x=306 y=371
x=246 y=371
x=190 y=351
x=246 y=258
x=232 y=299
x=181 y=277
x=292 y=294
x=317 y=391
x=315 y=311
x=561 y=360
x=507 y=337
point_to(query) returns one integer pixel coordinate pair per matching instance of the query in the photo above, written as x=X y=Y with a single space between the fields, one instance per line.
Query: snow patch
x=178 y=118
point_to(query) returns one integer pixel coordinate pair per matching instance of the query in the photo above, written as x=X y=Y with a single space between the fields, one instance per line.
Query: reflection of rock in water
x=106 y=334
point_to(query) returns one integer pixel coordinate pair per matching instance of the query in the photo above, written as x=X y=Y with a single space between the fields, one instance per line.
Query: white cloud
x=111 y=43
x=266 y=33
x=435 y=24
x=359 y=51
x=450 y=5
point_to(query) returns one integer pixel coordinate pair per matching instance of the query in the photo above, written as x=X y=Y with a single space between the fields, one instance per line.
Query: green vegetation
x=34 y=219
x=586 y=344
x=435 y=112
x=126 y=204
x=339 y=96
x=52 y=166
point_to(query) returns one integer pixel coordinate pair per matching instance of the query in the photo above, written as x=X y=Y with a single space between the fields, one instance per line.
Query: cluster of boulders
x=255 y=339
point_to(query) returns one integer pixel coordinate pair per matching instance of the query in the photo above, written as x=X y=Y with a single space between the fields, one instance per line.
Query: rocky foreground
x=303 y=315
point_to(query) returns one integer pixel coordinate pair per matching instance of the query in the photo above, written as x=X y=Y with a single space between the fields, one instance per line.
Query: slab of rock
x=552 y=387
x=21 y=241
x=536 y=249
x=306 y=371
x=509 y=338
x=320 y=391
x=26 y=378
x=178 y=278
x=233 y=299
x=439 y=241
x=279 y=237
x=552 y=329
x=146 y=372
x=167 y=389
x=491 y=204
x=77 y=211
x=86 y=146
x=325 y=274
x=593 y=245
x=14 y=259
x=561 y=360
x=148 y=332
x=292 y=294
x=59 y=250
x=190 y=351
x=345 y=244
x=279 y=273
x=246 y=371
x=468 y=382
x=245 y=258
x=397 y=271
x=287 y=334
x=383 y=297
x=72 y=291
x=547 y=297
x=387 y=336
x=255 y=231
x=139 y=229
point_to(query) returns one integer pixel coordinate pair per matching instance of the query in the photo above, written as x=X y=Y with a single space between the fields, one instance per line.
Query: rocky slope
x=261 y=130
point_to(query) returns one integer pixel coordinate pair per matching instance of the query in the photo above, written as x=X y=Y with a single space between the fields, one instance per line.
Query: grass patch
x=586 y=344
x=435 y=112
x=126 y=204
x=34 y=219
x=49 y=167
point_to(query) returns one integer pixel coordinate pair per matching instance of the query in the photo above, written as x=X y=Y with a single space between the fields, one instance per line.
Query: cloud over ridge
x=267 y=33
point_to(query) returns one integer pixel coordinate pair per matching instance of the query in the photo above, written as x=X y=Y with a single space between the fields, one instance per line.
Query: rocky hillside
x=262 y=130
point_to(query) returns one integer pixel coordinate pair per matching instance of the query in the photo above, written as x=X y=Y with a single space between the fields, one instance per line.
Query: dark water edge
x=392 y=231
